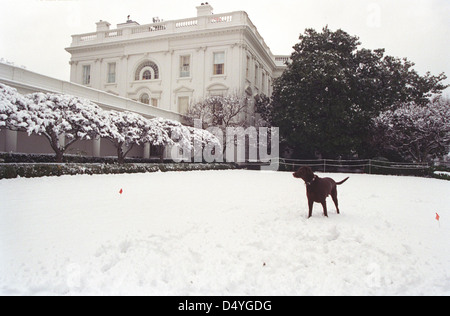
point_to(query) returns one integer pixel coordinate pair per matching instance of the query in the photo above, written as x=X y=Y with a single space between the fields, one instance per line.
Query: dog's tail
x=342 y=182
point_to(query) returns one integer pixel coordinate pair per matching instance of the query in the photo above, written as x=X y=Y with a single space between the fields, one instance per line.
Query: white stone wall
x=250 y=66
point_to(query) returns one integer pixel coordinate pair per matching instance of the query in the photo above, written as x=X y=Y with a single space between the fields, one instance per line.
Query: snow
x=222 y=233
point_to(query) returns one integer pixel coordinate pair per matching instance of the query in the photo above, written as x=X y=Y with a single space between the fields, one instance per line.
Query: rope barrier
x=357 y=163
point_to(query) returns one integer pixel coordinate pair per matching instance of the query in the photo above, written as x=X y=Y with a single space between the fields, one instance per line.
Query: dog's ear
x=308 y=172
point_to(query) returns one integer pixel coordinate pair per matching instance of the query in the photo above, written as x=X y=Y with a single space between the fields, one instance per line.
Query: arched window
x=144 y=98
x=147 y=75
x=147 y=70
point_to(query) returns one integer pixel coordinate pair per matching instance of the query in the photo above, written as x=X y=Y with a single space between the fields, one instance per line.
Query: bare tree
x=223 y=111
x=233 y=115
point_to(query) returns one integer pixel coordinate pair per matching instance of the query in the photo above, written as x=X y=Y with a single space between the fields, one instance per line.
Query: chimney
x=204 y=9
x=102 y=26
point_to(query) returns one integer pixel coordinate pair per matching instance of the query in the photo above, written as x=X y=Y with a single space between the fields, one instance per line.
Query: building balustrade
x=135 y=31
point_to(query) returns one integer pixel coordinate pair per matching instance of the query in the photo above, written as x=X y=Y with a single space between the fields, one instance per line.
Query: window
x=147 y=75
x=219 y=63
x=146 y=71
x=144 y=98
x=183 y=105
x=155 y=102
x=87 y=74
x=256 y=74
x=185 y=66
x=111 y=72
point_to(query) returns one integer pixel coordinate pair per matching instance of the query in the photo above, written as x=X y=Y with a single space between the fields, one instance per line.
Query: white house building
x=169 y=64
x=155 y=70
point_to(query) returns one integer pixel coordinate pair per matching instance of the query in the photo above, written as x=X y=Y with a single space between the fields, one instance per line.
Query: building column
x=62 y=140
x=96 y=147
x=97 y=82
x=11 y=141
x=146 y=154
x=201 y=72
x=74 y=71
x=123 y=77
x=171 y=97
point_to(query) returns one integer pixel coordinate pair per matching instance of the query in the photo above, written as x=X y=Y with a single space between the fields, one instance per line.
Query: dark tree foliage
x=329 y=93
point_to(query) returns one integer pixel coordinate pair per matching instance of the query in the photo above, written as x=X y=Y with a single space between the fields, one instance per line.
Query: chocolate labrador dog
x=318 y=189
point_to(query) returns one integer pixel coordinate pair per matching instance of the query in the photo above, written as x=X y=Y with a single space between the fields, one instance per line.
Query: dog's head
x=304 y=173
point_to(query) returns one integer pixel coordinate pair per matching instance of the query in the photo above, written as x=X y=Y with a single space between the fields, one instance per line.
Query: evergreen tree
x=326 y=98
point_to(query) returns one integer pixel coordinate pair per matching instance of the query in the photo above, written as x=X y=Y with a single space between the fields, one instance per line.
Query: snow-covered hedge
x=64 y=119
x=12 y=170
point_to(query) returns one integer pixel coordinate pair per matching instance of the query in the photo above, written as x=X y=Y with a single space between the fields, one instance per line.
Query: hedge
x=51 y=158
x=34 y=170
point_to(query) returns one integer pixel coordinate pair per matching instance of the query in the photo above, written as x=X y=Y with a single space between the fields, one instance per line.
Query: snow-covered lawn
x=222 y=233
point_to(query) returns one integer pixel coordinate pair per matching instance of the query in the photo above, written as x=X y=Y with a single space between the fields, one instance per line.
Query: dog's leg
x=310 y=205
x=325 y=212
x=335 y=199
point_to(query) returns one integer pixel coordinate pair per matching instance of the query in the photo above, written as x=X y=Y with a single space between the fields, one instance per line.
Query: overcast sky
x=34 y=33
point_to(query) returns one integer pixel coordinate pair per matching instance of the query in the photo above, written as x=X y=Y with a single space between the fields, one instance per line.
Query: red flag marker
x=437 y=217
x=121 y=191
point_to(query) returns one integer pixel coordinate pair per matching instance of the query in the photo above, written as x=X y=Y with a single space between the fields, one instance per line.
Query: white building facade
x=171 y=64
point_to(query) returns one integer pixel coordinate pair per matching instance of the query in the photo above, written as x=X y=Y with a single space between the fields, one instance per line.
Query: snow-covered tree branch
x=64 y=119
x=418 y=133
x=201 y=140
x=127 y=129
x=61 y=119
x=13 y=107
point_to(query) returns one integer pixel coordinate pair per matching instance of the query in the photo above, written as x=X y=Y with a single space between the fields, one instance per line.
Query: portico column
x=96 y=147
x=146 y=151
x=11 y=141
